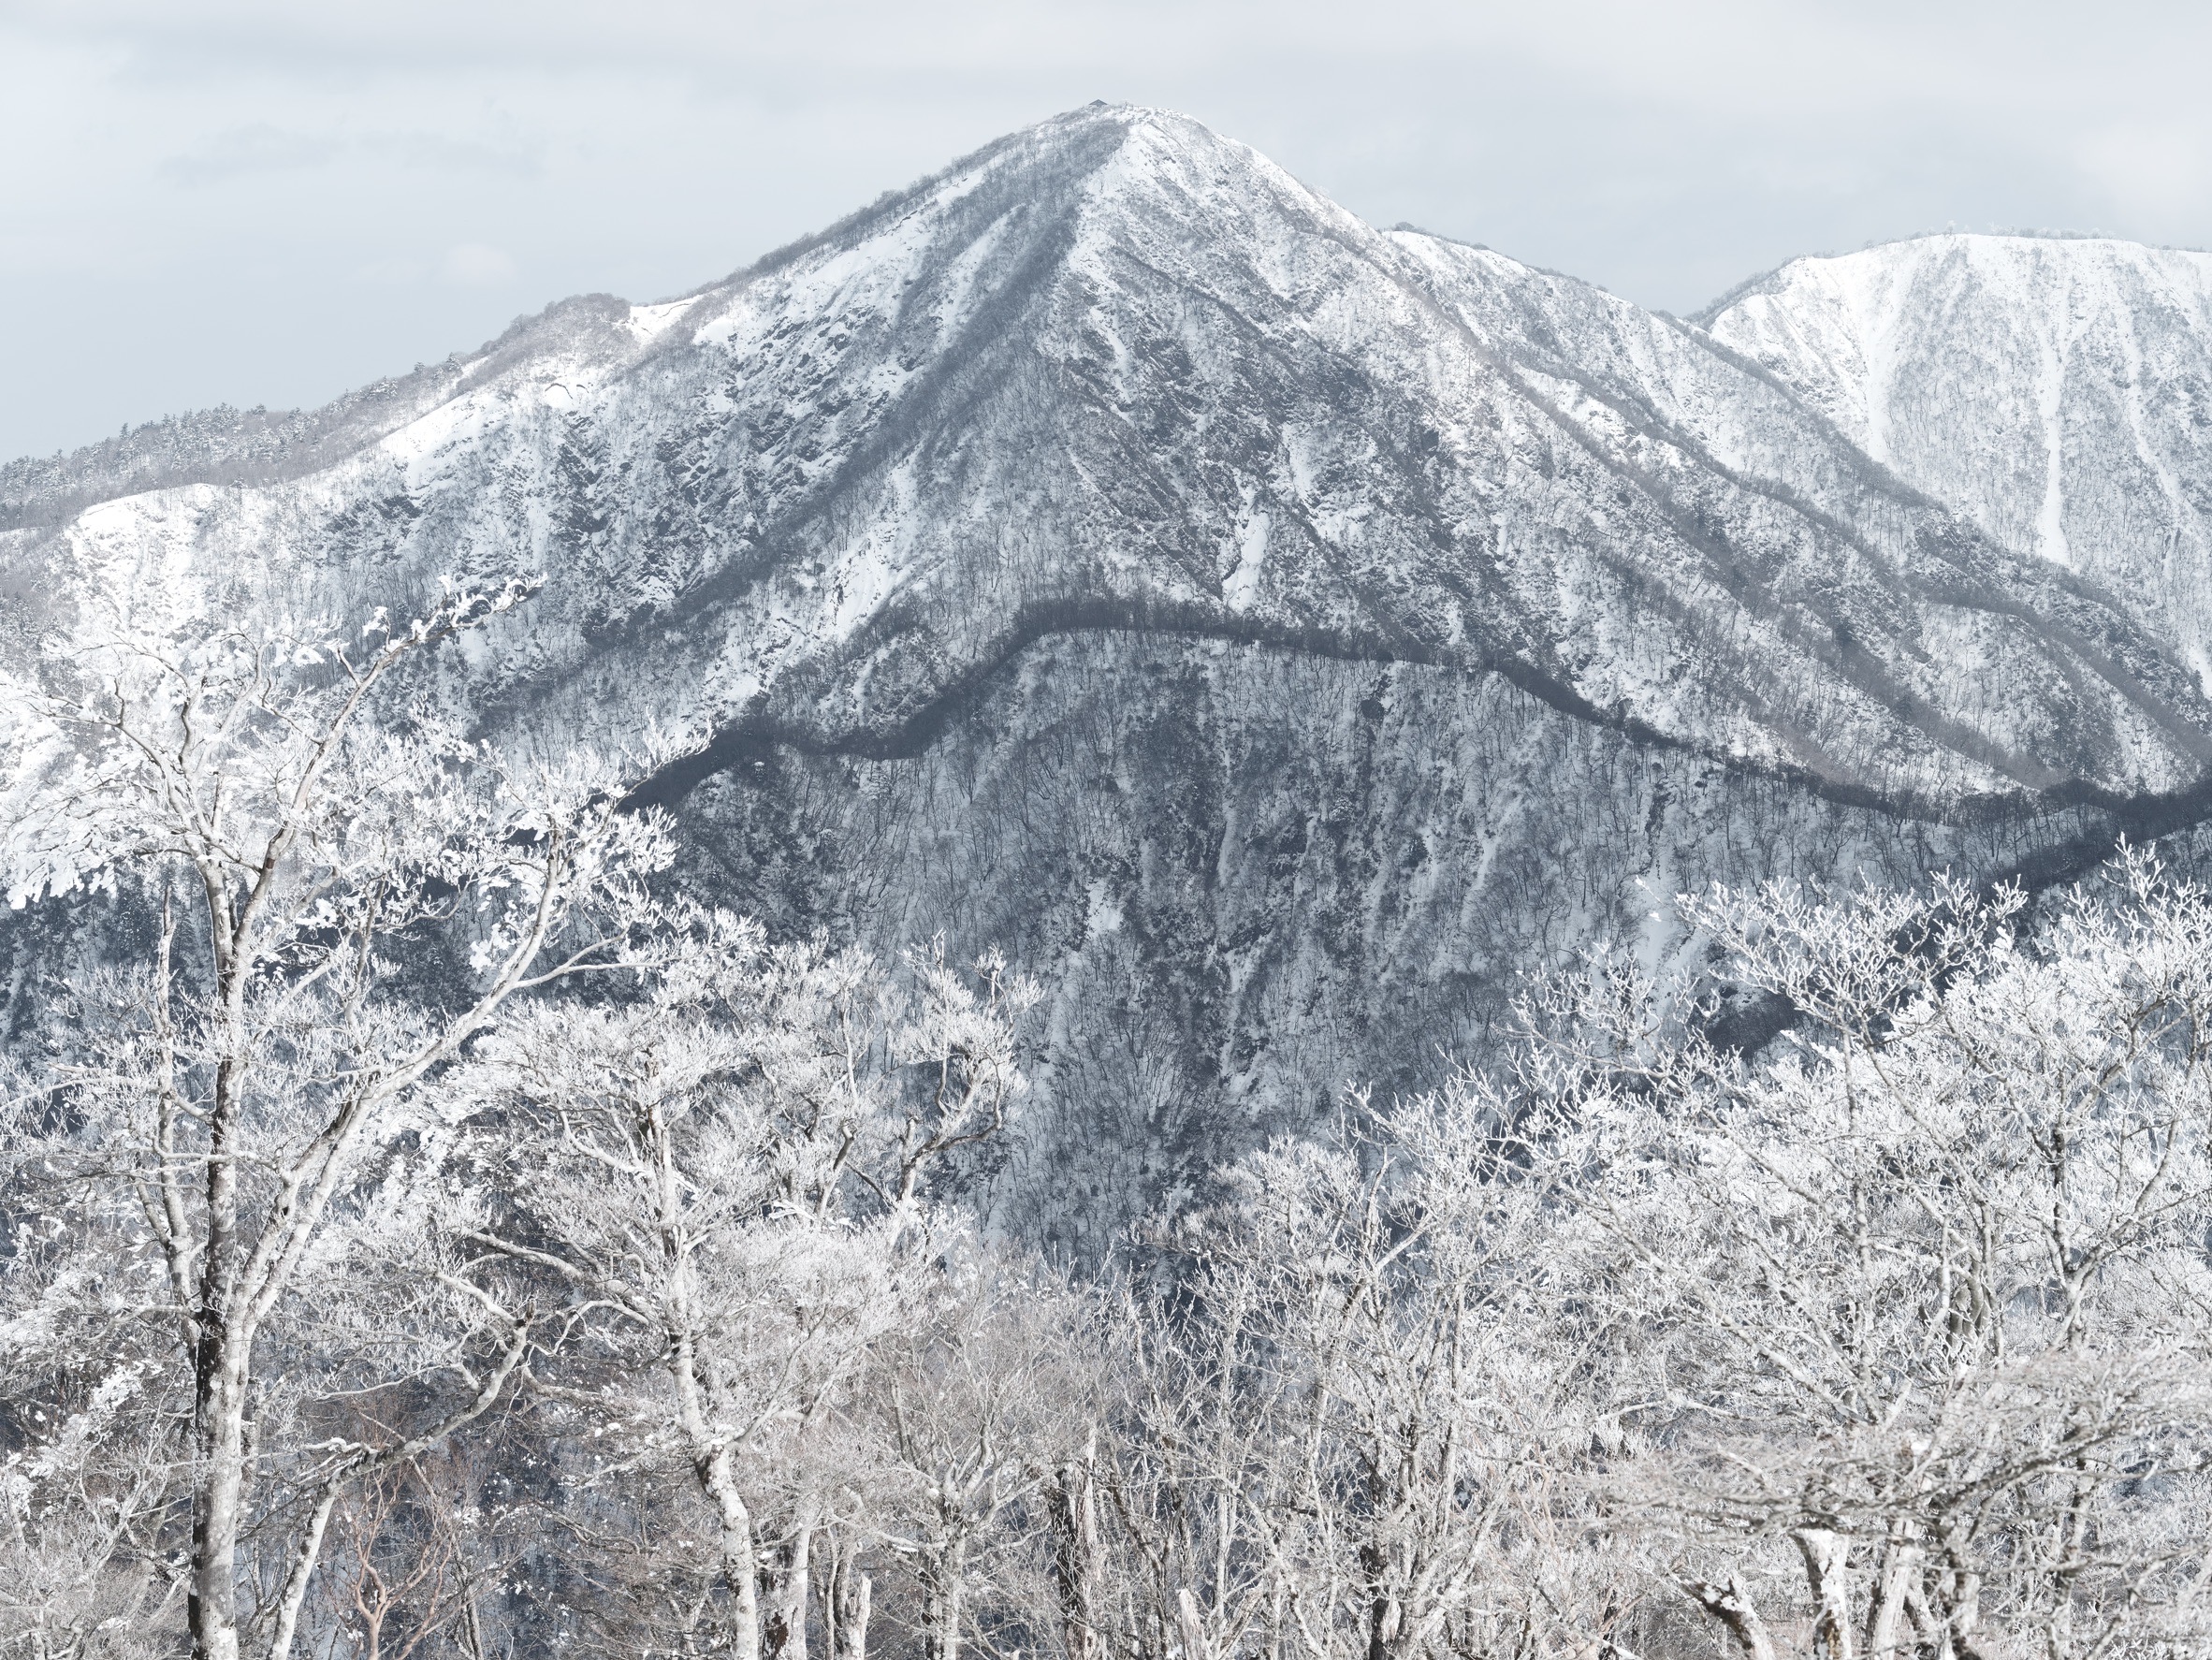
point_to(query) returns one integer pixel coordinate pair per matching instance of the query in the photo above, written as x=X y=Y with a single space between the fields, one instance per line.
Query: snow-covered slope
x=2056 y=391
x=1282 y=632
x=1122 y=368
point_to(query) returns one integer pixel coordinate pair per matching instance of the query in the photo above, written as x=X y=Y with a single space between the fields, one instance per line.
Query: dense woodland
x=432 y=1235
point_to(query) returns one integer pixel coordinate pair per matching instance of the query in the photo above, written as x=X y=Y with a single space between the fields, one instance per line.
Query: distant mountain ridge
x=2058 y=392
x=1283 y=631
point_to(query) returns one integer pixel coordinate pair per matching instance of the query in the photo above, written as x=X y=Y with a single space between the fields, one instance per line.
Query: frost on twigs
x=1890 y=1339
x=328 y=1172
x=1915 y=1305
x=1890 y=1334
x=725 y=1178
x=134 y=741
x=232 y=1137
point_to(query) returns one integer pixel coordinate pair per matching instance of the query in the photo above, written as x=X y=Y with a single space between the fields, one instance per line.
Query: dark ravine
x=745 y=743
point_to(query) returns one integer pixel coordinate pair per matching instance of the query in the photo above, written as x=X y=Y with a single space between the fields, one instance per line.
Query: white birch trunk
x=788 y=1595
x=847 y=1603
x=1827 y=1558
x=945 y=1598
x=1731 y=1605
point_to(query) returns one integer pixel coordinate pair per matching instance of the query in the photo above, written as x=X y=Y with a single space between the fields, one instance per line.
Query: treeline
x=433 y=1240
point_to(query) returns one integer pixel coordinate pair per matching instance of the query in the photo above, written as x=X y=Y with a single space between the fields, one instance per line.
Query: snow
x=2050 y=522
x=142 y=551
x=1372 y=433
x=649 y=321
x=1103 y=912
x=1205 y=391
x=1243 y=586
x=2040 y=386
x=451 y=424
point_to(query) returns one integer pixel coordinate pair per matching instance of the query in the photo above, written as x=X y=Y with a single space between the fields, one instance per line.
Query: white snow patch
x=456 y=421
x=649 y=321
x=2050 y=519
x=1103 y=914
x=1243 y=586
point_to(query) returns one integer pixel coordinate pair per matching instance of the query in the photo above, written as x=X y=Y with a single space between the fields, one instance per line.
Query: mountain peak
x=1109 y=547
x=2054 y=390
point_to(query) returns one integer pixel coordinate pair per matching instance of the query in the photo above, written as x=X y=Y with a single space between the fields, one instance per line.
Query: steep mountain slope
x=1118 y=365
x=1282 y=632
x=2058 y=392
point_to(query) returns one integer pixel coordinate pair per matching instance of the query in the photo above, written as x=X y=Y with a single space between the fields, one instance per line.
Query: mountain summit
x=1282 y=632
x=2057 y=392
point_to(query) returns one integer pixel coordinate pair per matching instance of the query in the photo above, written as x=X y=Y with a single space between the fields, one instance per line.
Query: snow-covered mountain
x=2058 y=392
x=1281 y=632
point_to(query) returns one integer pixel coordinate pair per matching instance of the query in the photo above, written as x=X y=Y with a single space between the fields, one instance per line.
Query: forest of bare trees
x=425 y=1234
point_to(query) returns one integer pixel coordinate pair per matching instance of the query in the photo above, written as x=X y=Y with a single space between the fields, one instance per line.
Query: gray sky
x=266 y=201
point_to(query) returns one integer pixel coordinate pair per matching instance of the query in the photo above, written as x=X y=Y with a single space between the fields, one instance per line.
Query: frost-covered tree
x=1921 y=1297
x=1352 y=1415
x=980 y=1404
x=1893 y=1337
x=724 y=1168
x=398 y=1098
x=235 y=1265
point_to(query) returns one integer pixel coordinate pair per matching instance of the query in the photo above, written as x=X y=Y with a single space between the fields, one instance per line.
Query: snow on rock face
x=2056 y=391
x=1117 y=367
x=1283 y=631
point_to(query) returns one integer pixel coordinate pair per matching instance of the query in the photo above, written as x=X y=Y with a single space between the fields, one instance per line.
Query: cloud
x=2158 y=170
x=394 y=176
x=478 y=265
x=447 y=152
x=465 y=265
x=395 y=273
x=241 y=151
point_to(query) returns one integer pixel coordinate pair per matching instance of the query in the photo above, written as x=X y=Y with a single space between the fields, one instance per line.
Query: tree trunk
x=712 y=1457
x=1886 y=1610
x=1384 y=1615
x=846 y=1600
x=305 y=1555
x=944 y=1581
x=218 y=1496
x=1961 y=1602
x=1932 y=1635
x=1731 y=1605
x=1828 y=1556
x=784 y=1637
x=741 y=1568
x=221 y=1354
x=1192 y=1627
x=1074 y=1508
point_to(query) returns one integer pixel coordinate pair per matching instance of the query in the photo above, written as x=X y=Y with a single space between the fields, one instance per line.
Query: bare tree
x=1354 y=1411
x=230 y=1114
x=1896 y=1338
x=1919 y=1299
x=981 y=1393
x=725 y=1166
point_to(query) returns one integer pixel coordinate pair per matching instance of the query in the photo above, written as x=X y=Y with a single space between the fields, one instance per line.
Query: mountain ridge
x=1287 y=631
x=2057 y=392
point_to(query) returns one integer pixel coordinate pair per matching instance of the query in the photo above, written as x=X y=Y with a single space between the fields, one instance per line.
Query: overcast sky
x=266 y=201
